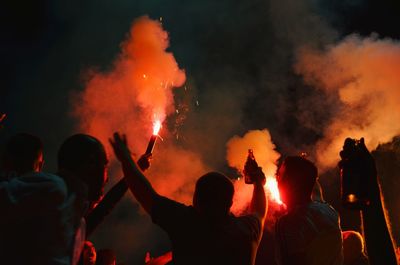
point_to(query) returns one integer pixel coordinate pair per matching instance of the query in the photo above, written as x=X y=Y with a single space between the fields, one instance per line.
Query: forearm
x=106 y=205
x=138 y=184
x=258 y=204
x=377 y=235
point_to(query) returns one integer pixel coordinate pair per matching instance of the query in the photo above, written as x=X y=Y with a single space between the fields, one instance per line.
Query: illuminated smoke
x=266 y=157
x=364 y=74
x=135 y=94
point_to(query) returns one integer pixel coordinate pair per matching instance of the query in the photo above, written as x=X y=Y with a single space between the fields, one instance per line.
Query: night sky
x=238 y=57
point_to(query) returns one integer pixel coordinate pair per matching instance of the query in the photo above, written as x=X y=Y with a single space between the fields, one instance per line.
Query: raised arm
x=110 y=200
x=259 y=202
x=378 y=240
x=135 y=179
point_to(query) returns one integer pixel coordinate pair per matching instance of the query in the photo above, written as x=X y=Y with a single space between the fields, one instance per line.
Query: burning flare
x=266 y=155
x=272 y=188
x=156 y=127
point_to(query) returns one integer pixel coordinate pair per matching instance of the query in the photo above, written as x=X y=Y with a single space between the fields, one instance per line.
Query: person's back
x=310 y=232
x=198 y=240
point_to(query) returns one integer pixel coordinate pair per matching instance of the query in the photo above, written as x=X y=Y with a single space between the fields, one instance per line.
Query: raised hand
x=119 y=144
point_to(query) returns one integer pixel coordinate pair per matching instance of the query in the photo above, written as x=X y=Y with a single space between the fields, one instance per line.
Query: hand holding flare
x=153 y=138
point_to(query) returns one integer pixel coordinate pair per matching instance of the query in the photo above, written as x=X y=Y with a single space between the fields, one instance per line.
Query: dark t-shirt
x=196 y=240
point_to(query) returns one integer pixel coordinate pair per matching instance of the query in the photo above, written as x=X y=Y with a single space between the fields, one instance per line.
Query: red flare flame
x=156 y=127
x=272 y=186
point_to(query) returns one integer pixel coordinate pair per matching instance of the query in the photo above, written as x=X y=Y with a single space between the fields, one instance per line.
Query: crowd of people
x=47 y=218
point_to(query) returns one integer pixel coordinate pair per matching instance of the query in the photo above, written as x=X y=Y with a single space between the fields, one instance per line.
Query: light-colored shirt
x=35 y=224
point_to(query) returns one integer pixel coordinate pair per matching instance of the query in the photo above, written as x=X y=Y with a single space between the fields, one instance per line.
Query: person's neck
x=296 y=203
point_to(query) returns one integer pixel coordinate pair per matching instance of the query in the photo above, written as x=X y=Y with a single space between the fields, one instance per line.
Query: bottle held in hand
x=251 y=169
x=354 y=175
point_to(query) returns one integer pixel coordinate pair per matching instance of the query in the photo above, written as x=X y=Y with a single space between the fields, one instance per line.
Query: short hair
x=353 y=241
x=78 y=150
x=82 y=155
x=22 y=151
x=214 y=193
x=301 y=173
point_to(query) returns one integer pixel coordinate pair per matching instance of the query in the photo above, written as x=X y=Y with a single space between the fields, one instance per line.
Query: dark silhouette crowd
x=47 y=218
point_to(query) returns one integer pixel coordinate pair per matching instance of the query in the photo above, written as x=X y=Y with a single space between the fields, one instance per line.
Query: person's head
x=213 y=195
x=84 y=157
x=89 y=254
x=23 y=153
x=353 y=246
x=296 y=178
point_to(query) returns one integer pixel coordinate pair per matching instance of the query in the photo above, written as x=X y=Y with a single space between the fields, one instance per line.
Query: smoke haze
x=265 y=154
x=364 y=73
x=283 y=65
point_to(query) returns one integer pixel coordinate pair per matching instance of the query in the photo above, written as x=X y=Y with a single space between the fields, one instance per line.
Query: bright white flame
x=156 y=127
x=272 y=187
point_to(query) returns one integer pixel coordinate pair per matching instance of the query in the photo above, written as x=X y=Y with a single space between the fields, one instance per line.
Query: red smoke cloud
x=364 y=73
x=136 y=92
x=266 y=155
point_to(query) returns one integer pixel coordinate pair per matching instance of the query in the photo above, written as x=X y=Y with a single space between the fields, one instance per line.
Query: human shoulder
x=168 y=211
x=44 y=179
x=38 y=185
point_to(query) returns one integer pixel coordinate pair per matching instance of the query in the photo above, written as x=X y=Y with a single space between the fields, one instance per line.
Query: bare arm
x=110 y=200
x=259 y=202
x=376 y=232
x=135 y=179
x=375 y=227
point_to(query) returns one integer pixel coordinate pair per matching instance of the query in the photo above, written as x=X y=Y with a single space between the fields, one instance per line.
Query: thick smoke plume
x=266 y=156
x=131 y=96
x=364 y=74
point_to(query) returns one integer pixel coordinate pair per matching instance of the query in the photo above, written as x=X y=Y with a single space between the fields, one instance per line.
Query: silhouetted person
x=353 y=249
x=378 y=240
x=205 y=233
x=34 y=208
x=82 y=162
x=310 y=231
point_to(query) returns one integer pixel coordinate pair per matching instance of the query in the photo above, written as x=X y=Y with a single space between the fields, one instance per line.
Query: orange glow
x=272 y=187
x=156 y=127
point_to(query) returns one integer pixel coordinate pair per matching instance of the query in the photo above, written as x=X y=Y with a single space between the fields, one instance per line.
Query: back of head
x=213 y=195
x=23 y=153
x=353 y=246
x=84 y=157
x=299 y=176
